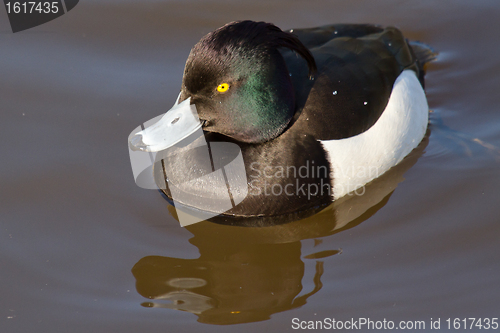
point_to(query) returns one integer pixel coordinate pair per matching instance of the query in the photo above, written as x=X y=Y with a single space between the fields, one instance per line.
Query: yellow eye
x=223 y=87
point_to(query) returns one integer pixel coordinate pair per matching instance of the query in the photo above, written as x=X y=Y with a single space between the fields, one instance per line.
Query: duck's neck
x=266 y=101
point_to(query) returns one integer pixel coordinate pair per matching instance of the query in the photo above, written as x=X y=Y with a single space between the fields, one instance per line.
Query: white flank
x=358 y=160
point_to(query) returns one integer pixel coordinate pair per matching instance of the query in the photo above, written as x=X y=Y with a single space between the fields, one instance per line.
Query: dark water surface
x=83 y=249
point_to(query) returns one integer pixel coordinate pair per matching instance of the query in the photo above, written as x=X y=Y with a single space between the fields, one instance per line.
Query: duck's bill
x=178 y=123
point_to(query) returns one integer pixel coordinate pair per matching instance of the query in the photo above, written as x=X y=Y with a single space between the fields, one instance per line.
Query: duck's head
x=239 y=83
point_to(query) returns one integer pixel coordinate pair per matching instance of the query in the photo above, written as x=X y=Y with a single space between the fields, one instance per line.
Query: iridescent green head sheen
x=239 y=81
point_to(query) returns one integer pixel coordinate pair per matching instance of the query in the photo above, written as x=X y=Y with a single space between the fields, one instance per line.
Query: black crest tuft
x=256 y=35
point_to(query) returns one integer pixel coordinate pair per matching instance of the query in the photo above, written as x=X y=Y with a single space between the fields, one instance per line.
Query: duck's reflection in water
x=247 y=274
x=227 y=284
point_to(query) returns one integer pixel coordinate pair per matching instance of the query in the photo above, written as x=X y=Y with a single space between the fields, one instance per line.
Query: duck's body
x=345 y=112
